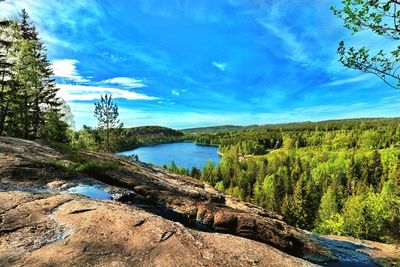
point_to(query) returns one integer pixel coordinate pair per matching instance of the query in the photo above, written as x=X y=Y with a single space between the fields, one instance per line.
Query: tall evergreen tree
x=5 y=72
x=28 y=91
x=299 y=196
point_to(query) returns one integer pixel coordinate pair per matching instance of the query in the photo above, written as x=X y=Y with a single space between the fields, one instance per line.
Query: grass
x=78 y=163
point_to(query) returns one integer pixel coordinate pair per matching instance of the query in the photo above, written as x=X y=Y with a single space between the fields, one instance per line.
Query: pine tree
x=311 y=203
x=299 y=195
x=287 y=209
x=106 y=112
x=5 y=72
x=37 y=92
x=27 y=75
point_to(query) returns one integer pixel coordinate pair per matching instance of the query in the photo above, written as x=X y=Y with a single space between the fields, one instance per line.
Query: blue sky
x=190 y=63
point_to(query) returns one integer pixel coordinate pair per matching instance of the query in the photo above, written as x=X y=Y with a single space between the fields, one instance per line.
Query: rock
x=64 y=230
x=225 y=221
x=56 y=184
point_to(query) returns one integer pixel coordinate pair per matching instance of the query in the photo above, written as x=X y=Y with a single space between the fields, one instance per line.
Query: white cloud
x=66 y=68
x=126 y=82
x=295 y=49
x=175 y=92
x=50 y=18
x=348 y=80
x=71 y=92
x=221 y=66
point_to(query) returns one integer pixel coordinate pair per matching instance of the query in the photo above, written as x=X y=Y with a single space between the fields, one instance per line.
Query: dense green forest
x=29 y=106
x=334 y=177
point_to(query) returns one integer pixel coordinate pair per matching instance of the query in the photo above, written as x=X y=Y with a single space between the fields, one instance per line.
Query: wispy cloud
x=348 y=80
x=71 y=92
x=126 y=82
x=175 y=92
x=219 y=65
x=294 y=48
x=51 y=19
x=66 y=68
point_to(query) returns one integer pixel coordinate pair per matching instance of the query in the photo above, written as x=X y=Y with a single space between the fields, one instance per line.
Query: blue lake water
x=185 y=154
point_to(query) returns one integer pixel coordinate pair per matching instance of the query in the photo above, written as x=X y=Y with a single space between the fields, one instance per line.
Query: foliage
x=128 y=138
x=147 y=135
x=54 y=128
x=179 y=170
x=335 y=177
x=28 y=100
x=106 y=112
x=383 y=19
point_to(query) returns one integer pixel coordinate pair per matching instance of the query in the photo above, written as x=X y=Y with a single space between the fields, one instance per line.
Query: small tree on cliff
x=106 y=112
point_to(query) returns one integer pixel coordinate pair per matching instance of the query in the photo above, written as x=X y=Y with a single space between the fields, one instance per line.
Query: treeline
x=124 y=138
x=258 y=140
x=29 y=107
x=342 y=178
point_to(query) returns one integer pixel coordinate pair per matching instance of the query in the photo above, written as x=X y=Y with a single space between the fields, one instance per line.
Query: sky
x=193 y=63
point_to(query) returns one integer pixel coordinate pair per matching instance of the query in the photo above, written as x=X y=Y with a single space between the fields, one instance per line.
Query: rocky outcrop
x=155 y=218
x=66 y=230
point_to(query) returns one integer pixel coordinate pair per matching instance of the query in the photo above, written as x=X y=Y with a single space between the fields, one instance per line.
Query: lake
x=184 y=154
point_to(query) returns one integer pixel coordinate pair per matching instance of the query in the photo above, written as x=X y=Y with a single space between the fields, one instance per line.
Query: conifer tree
x=106 y=112
x=5 y=72
x=28 y=91
x=287 y=209
x=299 y=204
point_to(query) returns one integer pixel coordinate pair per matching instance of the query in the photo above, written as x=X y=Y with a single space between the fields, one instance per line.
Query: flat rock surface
x=66 y=230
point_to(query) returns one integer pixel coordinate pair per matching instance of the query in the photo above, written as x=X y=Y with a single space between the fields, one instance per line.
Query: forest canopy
x=333 y=177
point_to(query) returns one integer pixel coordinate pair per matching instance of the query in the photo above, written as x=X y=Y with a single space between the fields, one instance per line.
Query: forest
x=124 y=138
x=334 y=177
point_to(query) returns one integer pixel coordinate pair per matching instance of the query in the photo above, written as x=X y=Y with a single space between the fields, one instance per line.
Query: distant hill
x=148 y=135
x=222 y=128
x=153 y=131
x=337 y=123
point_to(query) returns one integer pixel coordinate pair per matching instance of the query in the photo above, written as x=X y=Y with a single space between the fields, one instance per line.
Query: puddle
x=91 y=191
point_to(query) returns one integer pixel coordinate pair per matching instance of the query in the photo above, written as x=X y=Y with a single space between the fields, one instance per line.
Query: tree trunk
x=108 y=139
x=3 y=111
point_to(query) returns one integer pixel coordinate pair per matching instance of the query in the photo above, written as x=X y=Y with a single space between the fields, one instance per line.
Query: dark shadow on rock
x=347 y=253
